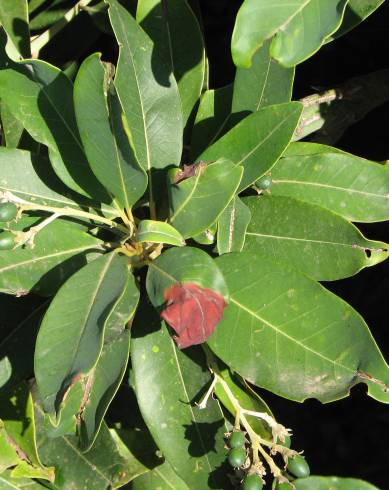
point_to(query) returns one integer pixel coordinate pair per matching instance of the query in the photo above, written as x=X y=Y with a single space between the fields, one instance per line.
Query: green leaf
x=102 y=129
x=168 y=382
x=197 y=202
x=247 y=399
x=232 y=226
x=265 y=83
x=350 y=186
x=258 y=141
x=162 y=478
x=14 y=135
x=17 y=414
x=8 y=454
x=307 y=31
x=159 y=232
x=356 y=12
x=20 y=177
x=183 y=265
x=103 y=381
x=211 y=120
x=17 y=344
x=319 y=243
x=331 y=483
x=258 y=20
x=297 y=148
x=108 y=464
x=7 y=482
x=286 y=333
x=60 y=249
x=14 y=19
x=148 y=94
x=48 y=115
x=70 y=338
x=178 y=41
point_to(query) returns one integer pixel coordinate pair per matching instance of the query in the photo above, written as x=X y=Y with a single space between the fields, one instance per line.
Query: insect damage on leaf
x=187 y=171
x=193 y=312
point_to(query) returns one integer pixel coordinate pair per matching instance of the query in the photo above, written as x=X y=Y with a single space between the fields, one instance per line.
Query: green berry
x=7 y=240
x=237 y=457
x=237 y=439
x=286 y=443
x=8 y=211
x=298 y=467
x=284 y=486
x=252 y=482
x=264 y=182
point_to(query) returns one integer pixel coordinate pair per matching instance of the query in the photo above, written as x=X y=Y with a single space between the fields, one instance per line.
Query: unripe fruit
x=8 y=211
x=237 y=457
x=237 y=439
x=264 y=182
x=284 y=486
x=298 y=467
x=286 y=443
x=7 y=240
x=252 y=482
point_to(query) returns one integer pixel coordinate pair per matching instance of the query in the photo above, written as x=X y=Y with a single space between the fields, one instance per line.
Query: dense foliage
x=163 y=246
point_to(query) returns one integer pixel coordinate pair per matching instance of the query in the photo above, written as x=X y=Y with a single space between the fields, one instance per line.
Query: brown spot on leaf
x=193 y=312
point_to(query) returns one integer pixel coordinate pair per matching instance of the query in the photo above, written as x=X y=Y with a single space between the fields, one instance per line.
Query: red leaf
x=193 y=312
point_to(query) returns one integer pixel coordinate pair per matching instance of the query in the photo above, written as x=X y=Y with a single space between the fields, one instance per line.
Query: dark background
x=348 y=437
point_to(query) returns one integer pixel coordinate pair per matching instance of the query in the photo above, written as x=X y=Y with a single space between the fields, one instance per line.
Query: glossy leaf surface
x=294 y=338
x=258 y=141
x=48 y=115
x=183 y=265
x=356 y=12
x=103 y=133
x=168 y=382
x=176 y=33
x=14 y=19
x=159 y=232
x=257 y=21
x=70 y=338
x=197 y=202
x=321 y=244
x=161 y=477
x=307 y=31
x=355 y=188
x=148 y=94
x=61 y=248
x=232 y=226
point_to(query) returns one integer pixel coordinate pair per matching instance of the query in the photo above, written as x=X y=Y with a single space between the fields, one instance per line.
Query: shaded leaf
x=159 y=232
x=148 y=94
x=307 y=31
x=258 y=141
x=161 y=477
x=197 y=202
x=294 y=338
x=232 y=226
x=47 y=113
x=102 y=129
x=70 y=338
x=17 y=415
x=193 y=312
x=356 y=12
x=104 y=379
x=265 y=83
x=178 y=41
x=353 y=187
x=211 y=120
x=168 y=382
x=108 y=464
x=321 y=244
x=14 y=19
x=60 y=249
x=10 y=483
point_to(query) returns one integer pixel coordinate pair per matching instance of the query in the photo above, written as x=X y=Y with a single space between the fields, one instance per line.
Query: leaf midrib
x=278 y=331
